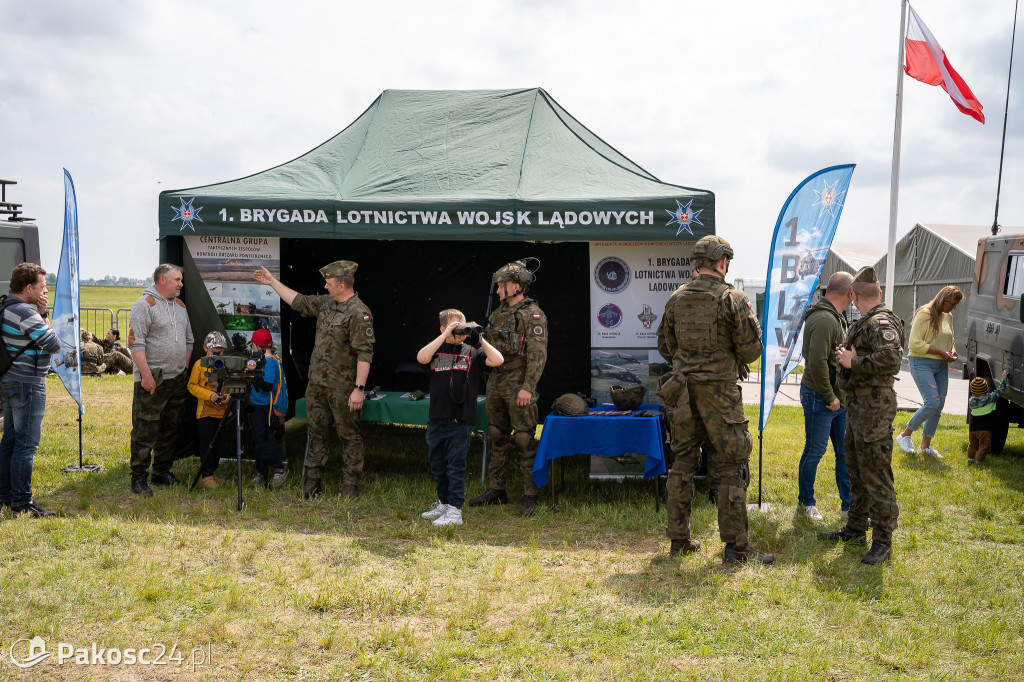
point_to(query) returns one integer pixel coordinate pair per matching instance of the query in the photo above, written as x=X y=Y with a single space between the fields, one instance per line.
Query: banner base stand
x=73 y=468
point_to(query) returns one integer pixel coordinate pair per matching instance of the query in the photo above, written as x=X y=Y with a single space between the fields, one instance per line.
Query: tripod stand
x=235 y=407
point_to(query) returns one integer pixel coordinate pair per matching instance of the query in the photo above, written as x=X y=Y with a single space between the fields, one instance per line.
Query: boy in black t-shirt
x=456 y=369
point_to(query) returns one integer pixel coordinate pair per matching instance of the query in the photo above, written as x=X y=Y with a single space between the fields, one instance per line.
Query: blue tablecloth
x=604 y=435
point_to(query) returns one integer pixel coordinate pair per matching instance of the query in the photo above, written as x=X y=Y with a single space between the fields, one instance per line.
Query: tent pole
x=760 y=464
x=894 y=187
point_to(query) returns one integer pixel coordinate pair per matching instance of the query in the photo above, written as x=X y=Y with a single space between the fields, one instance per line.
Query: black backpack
x=6 y=359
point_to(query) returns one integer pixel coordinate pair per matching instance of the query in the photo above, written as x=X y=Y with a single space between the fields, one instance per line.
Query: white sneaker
x=451 y=517
x=906 y=445
x=813 y=514
x=931 y=451
x=436 y=511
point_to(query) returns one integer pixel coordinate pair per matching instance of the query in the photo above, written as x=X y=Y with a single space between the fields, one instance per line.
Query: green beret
x=866 y=274
x=339 y=268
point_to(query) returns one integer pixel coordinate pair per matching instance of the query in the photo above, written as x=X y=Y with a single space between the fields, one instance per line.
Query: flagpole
x=1006 y=113
x=894 y=187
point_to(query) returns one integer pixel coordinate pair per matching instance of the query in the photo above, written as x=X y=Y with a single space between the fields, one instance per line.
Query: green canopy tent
x=431 y=191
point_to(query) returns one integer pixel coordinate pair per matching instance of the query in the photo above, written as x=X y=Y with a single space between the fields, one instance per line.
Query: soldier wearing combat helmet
x=869 y=360
x=338 y=369
x=709 y=334
x=519 y=330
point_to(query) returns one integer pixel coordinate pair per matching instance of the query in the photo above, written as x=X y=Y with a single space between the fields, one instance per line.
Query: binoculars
x=467 y=329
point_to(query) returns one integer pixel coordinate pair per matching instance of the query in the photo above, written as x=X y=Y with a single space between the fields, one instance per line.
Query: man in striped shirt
x=24 y=386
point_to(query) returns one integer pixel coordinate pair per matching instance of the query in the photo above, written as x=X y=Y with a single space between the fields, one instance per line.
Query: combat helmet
x=215 y=340
x=628 y=397
x=570 y=405
x=709 y=250
x=516 y=271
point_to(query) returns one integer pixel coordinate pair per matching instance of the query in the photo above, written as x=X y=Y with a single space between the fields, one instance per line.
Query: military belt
x=509 y=365
x=869 y=391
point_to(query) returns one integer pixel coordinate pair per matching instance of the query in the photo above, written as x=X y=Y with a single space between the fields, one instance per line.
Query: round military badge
x=610 y=315
x=889 y=335
x=369 y=331
x=538 y=330
x=612 y=274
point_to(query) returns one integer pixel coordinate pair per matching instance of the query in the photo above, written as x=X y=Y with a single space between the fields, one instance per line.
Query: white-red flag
x=926 y=61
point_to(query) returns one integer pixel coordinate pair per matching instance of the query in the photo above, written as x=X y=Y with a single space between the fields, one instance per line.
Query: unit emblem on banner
x=647 y=317
x=683 y=216
x=612 y=274
x=828 y=199
x=610 y=316
x=186 y=214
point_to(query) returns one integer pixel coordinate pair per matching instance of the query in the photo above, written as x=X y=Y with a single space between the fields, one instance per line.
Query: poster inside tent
x=226 y=265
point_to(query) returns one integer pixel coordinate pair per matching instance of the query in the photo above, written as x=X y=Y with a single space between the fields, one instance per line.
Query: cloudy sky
x=743 y=98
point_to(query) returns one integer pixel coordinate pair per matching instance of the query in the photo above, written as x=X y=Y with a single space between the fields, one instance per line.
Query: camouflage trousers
x=156 y=423
x=325 y=406
x=868 y=444
x=116 y=361
x=510 y=426
x=712 y=411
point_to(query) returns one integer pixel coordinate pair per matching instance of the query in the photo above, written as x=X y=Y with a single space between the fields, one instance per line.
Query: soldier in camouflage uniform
x=709 y=334
x=870 y=359
x=115 y=356
x=338 y=369
x=160 y=339
x=91 y=355
x=519 y=330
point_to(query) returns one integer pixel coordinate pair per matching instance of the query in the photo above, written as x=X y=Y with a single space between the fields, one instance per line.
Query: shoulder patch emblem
x=366 y=318
x=538 y=330
x=883 y=321
x=536 y=316
x=369 y=331
x=889 y=335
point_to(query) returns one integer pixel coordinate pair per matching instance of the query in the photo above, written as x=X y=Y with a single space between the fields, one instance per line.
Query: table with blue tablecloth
x=602 y=435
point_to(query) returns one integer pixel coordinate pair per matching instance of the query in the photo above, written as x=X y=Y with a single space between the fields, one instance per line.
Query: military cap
x=866 y=274
x=339 y=268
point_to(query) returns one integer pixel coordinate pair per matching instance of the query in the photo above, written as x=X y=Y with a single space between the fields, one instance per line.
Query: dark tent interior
x=407 y=283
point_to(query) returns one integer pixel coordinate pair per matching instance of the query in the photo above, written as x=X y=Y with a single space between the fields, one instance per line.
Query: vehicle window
x=1013 y=287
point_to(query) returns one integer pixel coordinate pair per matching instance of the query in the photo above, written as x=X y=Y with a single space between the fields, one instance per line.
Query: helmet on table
x=628 y=397
x=570 y=405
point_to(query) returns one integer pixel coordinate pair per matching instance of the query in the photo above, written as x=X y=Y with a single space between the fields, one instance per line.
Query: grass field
x=328 y=589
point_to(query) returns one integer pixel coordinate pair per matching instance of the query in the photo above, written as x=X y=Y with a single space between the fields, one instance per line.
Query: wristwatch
x=361 y=387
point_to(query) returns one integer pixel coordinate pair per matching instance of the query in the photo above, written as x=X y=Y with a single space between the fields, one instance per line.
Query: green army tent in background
x=431 y=191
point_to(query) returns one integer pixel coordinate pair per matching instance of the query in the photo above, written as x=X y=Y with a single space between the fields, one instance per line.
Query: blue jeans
x=820 y=425
x=448 y=445
x=24 y=405
x=932 y=378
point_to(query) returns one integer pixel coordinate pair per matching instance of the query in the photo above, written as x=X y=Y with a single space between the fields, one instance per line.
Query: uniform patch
x=369 y=331
x=536 y=316
x=889 y=335
x=883 y=322
x=366 y=318
x=538 y=330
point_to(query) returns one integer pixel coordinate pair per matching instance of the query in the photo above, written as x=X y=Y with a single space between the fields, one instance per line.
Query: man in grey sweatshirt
x=820 y=396
x=160 y=340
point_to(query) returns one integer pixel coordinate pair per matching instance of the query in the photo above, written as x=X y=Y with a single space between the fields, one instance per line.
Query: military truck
x=995 y=325
x=19 y=237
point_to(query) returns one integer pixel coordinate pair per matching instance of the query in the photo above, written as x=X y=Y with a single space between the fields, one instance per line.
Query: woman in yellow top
x=931 y=350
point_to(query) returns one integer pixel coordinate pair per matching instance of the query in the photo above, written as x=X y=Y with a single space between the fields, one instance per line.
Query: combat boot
x=529 y=505
x=845 y=534
x=311 y=488
x=880 y=551
x=735 y=554
x=349 y=491
x=686 y=546
x=492 y=496
x=141 y=487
